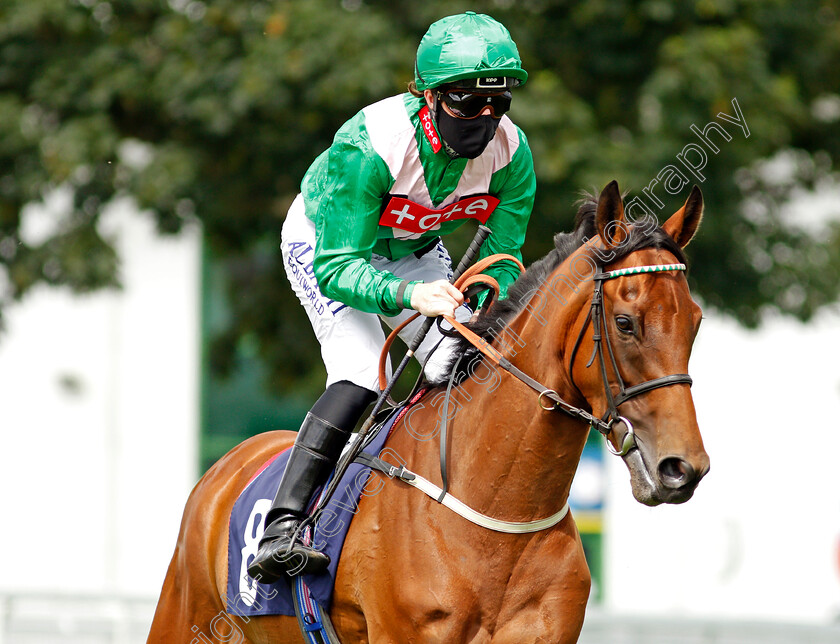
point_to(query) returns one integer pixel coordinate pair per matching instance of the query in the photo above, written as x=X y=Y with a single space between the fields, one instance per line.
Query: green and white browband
x=636 y=270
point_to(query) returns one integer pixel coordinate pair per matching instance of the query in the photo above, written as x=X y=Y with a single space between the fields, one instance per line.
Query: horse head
x=647 y=323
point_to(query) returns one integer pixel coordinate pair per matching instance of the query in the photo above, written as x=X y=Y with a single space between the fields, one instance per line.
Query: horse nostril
x=675 y=472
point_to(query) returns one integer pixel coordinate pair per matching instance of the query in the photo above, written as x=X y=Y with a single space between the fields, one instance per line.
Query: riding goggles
x=469 y=105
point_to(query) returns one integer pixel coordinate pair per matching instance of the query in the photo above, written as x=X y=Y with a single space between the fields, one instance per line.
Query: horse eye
x=624 y=324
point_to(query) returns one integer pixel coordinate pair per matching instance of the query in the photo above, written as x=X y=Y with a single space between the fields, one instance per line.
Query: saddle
x=246 y=597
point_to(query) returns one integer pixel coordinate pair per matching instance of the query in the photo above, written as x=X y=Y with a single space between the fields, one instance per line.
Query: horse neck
x=509 y=457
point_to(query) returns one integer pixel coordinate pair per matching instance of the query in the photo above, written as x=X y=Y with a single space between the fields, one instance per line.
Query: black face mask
x=467 y=138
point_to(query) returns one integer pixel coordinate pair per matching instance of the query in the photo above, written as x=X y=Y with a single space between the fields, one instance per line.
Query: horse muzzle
x=673 y=479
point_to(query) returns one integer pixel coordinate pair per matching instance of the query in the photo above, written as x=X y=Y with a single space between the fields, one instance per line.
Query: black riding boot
x=319 y=442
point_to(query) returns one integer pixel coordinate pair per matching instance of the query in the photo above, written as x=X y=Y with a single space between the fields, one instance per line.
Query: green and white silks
x=382 y=152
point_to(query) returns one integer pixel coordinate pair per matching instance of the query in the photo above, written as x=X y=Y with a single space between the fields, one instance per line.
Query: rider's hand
x=436 y=298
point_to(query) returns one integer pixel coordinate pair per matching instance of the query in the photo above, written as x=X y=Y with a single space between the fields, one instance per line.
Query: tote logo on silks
x=429 y=129
x=404 y=214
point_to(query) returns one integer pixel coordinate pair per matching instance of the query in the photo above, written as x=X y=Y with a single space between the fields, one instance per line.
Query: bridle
x=601 y=338
x=549 y=400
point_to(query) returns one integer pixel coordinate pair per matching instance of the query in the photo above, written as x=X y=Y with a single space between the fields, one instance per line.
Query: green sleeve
x=515 y=185
x=343 y=193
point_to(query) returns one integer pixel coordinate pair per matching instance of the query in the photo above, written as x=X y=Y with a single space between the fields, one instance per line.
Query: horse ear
x=609 y=216
x=683 y=224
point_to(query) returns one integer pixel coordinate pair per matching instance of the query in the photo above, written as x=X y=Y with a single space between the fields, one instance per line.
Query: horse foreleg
x=548 y=593
x=562 y=625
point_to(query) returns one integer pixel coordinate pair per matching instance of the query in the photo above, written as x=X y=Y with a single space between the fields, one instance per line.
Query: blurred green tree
x=214 y=110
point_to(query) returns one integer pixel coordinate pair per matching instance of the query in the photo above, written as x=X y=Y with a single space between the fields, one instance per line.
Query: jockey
x=362 y=242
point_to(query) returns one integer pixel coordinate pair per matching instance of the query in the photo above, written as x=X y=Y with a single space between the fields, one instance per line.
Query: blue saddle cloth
x=246 y=597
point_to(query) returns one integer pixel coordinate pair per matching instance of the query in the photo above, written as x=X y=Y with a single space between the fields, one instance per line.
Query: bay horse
x=412 y=571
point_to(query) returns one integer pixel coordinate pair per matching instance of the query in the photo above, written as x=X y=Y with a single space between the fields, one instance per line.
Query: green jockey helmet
x=468 y=47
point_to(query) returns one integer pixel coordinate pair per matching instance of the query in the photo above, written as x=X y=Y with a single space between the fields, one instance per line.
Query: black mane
x=502 y=312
